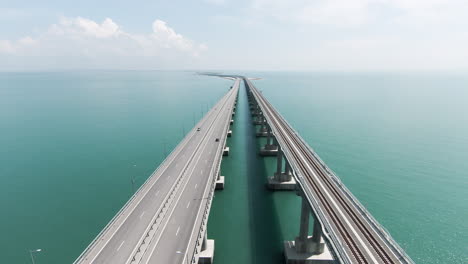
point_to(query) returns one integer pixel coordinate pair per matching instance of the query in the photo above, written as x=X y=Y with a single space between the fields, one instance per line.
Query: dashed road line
x=120 y=245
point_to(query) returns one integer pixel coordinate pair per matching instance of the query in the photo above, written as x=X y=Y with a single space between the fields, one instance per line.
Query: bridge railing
x=329 y=234
x=143 y=186
x=380 y=229
x=215 y=170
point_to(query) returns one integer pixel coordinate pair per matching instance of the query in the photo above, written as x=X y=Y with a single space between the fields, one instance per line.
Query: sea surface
x=71 y=143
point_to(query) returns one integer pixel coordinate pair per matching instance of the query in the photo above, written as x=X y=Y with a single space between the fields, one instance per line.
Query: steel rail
x=329 y=233
x=351 y=244
x=370 y=238
x=310 y=155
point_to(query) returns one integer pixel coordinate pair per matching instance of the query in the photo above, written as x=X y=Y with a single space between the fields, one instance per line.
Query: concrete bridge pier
x=257 y=114
x=207 y=250
x=271 y=146
x=307 y=249
x=219 y=182
x=256 y=111
x=250 y=99
x=253 y=106
x=263 y=132
x=282 y=180
x=259 y=120
x=226 y=151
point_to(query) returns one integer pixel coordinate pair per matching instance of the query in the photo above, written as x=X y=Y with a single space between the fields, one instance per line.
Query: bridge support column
x=252 y=103
x=219 y=182
x=271 y=146
x=259 y=119
x=307 y=249
x=263 y=132
x=282 y=180
x=256 y=111
x=207 y=250
x=226 y=151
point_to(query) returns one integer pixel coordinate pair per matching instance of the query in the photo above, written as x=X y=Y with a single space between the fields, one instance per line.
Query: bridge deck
x=355 y=236
x=162 y=222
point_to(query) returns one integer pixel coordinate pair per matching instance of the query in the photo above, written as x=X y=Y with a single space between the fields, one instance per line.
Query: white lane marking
x=196 y=185
x=198 y=214
x=201 y=172
x=177 y=231
x=156 y=194
x=326 y=192
x=146 y=261
x=133 y=203
x=154 y=177
x=188 y=204
x=142 y=214
x=206 y=161
x=120 y=245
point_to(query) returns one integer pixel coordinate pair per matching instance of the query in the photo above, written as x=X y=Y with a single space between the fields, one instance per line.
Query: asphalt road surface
x=159 y=224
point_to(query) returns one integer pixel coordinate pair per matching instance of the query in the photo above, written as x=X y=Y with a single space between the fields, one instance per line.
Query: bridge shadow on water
x=266 y=232
x=244 y=220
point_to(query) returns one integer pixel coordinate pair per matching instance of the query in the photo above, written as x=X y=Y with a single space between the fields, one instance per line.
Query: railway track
x=315 y=175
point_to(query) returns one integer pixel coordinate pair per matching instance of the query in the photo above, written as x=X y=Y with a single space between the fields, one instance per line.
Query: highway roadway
x=162 y=221
x=355 y=234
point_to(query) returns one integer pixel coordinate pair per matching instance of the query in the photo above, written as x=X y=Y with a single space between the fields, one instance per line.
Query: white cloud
x=102 y=44
x=6 y=46
x=87 y=27
x=169 y=38
x=352 y=13
x=27 y=41
x=329 y=12
x=396 y=53
x=445 y=13
x=364 y=34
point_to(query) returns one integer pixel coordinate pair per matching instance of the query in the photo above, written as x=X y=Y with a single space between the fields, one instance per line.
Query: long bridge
x=165 y=221
x=343 y=229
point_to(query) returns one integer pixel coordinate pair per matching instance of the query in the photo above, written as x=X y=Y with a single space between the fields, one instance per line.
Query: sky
x=292 y=35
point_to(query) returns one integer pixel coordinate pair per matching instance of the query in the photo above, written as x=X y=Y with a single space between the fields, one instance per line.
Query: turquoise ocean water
x=70 y=143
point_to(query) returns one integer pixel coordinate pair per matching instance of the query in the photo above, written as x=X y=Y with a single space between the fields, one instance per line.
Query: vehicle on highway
x=198 y=129
x=217 y=140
